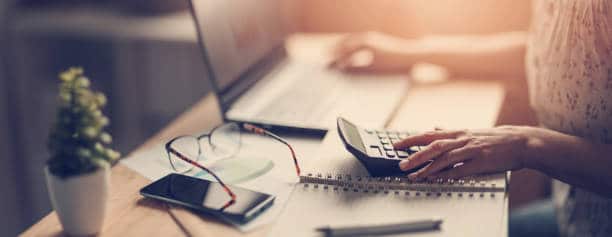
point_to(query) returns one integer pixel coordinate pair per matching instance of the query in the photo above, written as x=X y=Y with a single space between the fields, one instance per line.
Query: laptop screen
x=237 y=34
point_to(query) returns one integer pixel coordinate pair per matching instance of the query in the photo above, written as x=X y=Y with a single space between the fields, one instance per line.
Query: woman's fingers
x=345 y=49
x=433 y=150
x=426 y=138
x=446 y=160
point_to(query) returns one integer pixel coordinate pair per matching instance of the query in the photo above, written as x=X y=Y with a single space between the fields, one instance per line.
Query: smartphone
x=208 y=197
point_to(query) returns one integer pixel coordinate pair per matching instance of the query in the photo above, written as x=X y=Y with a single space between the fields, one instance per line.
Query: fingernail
x=403 y=165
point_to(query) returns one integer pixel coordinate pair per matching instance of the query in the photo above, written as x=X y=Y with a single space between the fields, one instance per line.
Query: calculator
x=374 y=148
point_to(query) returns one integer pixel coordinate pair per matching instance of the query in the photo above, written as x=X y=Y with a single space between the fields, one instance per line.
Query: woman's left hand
x=456 y=154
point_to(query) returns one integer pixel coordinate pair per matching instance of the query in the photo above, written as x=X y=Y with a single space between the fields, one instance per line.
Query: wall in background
x=412 y=18
x=11 y=215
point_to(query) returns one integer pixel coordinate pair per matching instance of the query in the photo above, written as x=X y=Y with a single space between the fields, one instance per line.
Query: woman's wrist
x=545 y=146
x=536 y=148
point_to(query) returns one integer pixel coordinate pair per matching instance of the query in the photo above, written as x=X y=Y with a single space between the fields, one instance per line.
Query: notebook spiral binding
x=346 y=182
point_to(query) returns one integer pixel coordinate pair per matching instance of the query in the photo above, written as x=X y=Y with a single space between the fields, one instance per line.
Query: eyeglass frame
x=246 y=126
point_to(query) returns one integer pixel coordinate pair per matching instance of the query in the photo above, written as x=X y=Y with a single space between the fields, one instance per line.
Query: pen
x=413 y=226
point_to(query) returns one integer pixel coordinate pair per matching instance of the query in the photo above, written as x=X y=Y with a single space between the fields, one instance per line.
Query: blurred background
x=144 y=55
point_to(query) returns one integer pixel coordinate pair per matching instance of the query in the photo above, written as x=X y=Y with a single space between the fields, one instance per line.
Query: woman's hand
x=461 y=55
x=456 y=154
x=371 y=52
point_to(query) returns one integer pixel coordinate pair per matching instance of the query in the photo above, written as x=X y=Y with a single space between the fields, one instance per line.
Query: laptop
x=243 y=46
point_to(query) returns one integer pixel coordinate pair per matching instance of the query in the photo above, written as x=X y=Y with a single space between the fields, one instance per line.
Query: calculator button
x=390 y=154
x=369 y=131
x=381 y=134
x=402 y=154
x=394 y=140
x=412 y=150
x=374 y=151
x=385 y=140
x=387 y=147
x=394 y=134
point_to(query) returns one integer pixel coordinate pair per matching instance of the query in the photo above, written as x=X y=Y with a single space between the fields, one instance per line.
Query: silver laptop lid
x=240 y=40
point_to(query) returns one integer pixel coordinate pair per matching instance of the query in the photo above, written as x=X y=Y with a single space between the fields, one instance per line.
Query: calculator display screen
x=352 y=135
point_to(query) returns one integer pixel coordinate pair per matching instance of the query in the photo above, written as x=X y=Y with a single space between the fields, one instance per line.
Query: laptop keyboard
x=308 y=100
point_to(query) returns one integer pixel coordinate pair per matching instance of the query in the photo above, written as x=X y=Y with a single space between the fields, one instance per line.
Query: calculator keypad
x=383 y=145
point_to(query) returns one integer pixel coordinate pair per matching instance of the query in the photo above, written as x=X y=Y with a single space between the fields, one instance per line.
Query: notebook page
x=311 y=208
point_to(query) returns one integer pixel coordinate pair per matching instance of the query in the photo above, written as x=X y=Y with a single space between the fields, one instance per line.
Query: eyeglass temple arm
x=225 y=187
x=261 y=131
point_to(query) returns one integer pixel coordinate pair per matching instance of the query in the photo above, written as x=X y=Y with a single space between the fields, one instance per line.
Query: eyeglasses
x=225 y=141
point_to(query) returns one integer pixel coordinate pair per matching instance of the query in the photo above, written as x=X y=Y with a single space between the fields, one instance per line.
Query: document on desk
x=339 y=192
x=268 y=168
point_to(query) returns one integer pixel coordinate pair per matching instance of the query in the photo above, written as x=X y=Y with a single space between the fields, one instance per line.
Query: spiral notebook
x=336 y=190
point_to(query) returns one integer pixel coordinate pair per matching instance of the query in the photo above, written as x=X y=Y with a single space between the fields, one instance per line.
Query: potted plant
x=78 y=171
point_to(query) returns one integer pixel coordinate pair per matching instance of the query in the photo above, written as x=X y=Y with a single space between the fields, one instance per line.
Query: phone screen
x=208 y=196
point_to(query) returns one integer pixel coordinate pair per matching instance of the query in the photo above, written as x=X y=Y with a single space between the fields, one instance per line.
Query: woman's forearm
x=500 y=55
x=573 y=160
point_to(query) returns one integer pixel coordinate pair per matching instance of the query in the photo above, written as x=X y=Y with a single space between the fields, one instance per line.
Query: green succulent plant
x=78 y=143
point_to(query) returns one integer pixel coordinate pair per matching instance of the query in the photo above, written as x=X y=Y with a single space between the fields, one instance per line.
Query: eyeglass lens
x=187 y=146
x=225 y=140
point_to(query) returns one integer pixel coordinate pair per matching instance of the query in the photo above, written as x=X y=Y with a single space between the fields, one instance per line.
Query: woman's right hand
x=371 y=52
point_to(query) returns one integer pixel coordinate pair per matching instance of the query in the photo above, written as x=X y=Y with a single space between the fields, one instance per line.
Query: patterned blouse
x=569 y=70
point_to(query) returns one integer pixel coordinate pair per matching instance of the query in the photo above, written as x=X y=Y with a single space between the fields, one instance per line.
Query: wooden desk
x=454 y=104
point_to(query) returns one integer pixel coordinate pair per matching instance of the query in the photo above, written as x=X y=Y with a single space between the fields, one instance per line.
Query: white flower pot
x=80 y=201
